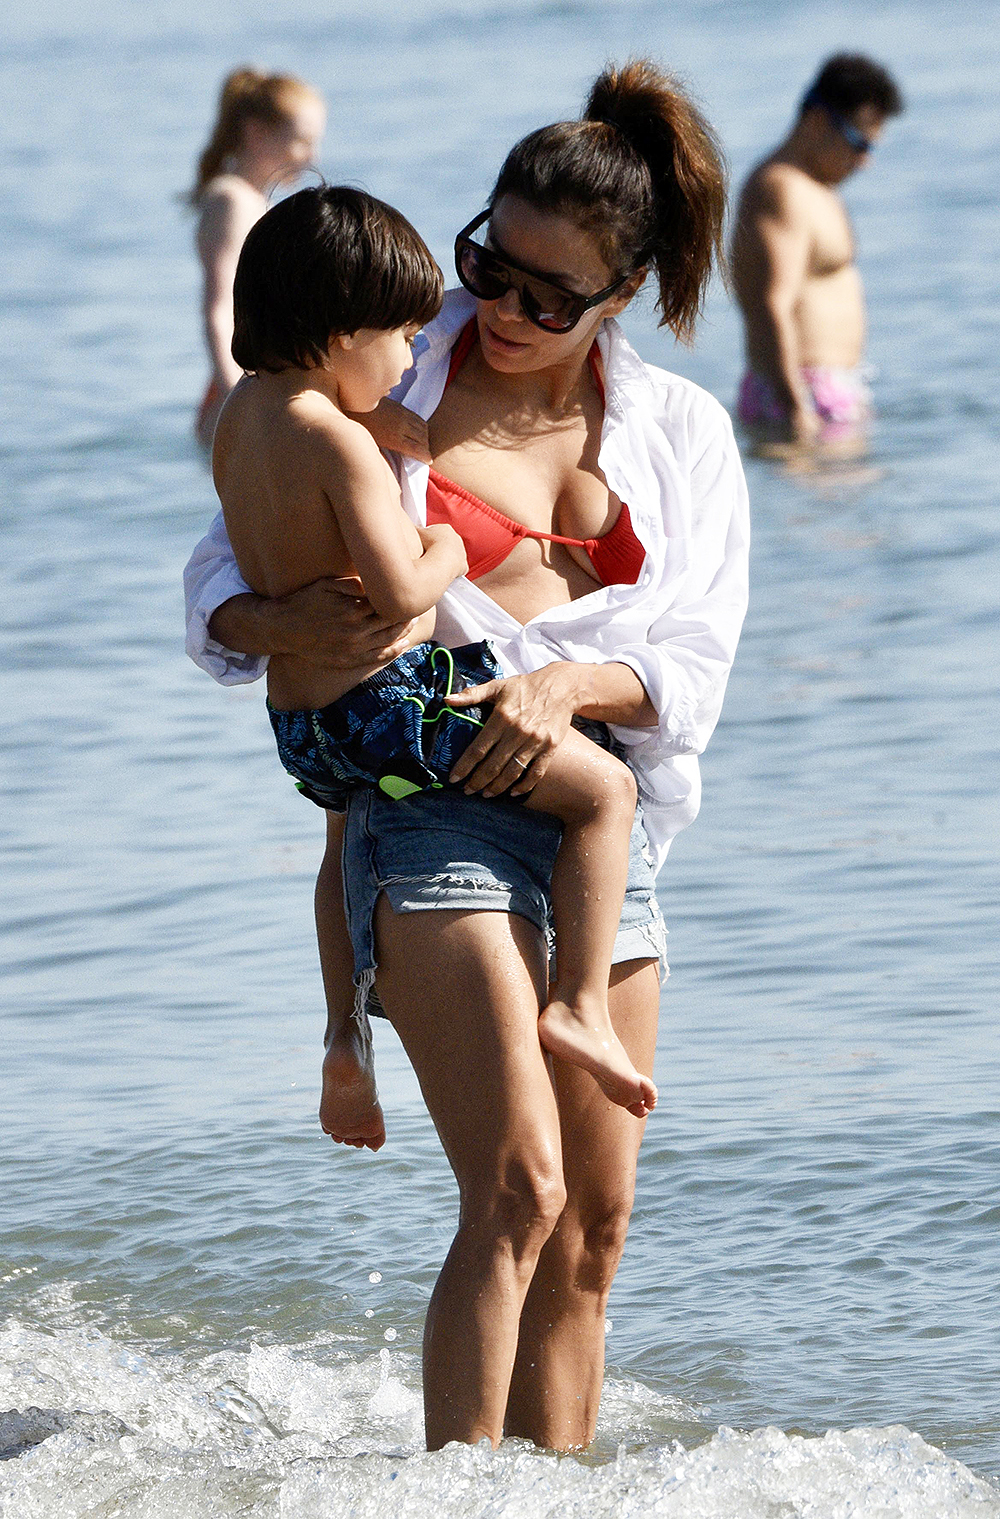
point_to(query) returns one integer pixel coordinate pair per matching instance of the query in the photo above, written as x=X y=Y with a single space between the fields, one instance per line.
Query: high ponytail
x=643 y=171
x=247 y=95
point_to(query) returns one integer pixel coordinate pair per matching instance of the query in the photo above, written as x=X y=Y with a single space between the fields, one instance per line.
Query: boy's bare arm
x=404 y=570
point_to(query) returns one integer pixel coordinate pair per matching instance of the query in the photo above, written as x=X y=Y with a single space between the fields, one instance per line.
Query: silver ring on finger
x=516 y=759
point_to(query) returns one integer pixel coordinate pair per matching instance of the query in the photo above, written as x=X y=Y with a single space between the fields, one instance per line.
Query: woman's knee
x=593 y=1237
x=520 y=1204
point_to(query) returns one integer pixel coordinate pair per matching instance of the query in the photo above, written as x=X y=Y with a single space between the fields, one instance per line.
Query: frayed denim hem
x=461 y=854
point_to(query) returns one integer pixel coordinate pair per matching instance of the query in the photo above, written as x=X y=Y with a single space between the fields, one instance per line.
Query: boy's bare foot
x=349 y=1109
x=586 y=1038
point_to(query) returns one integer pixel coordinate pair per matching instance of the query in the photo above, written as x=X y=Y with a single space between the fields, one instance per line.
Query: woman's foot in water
x=583 y=1035
x=349 y=1109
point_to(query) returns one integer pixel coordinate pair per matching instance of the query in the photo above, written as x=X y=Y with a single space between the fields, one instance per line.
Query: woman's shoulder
x=687 y=404
x=227 y=208
x=690 y=417
x=229 y=195
x=229 y=187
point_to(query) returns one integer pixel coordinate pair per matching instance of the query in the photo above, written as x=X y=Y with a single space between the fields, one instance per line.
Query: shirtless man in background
x=794 y=271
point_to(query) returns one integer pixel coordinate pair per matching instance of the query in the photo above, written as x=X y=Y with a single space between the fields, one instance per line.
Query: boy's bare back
x=294 y=474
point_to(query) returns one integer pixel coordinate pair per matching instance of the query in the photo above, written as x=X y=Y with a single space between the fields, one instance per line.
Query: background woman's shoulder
x=231 y=188
x=227 y=208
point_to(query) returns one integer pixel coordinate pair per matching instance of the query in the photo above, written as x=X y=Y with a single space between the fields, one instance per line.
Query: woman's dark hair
x=644 y=173
x=327 y=260
x=849 y=80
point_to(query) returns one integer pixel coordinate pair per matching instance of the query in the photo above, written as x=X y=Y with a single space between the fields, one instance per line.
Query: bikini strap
x=461 y=350
x=594 y=360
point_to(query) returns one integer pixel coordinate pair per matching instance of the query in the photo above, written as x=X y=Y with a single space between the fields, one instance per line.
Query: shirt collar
x=625 y=374
x=439 y=336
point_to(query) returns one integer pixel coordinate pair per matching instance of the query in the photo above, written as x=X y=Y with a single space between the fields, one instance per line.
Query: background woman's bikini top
x=489 y=536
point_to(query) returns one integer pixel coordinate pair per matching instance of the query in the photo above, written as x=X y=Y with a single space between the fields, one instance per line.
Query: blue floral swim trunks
x=393 y=730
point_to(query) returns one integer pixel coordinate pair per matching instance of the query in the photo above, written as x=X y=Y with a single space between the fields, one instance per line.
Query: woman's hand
x=396 y=428
x=331 y=622
x=531 y=716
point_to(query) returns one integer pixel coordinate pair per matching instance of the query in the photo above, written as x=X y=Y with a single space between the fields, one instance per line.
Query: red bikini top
x=489 y=536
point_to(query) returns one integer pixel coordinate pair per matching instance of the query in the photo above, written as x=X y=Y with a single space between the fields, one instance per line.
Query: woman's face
x=284 y=151
x=556 y=248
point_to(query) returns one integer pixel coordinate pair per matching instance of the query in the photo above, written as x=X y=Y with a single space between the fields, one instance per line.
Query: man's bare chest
x=832 y=242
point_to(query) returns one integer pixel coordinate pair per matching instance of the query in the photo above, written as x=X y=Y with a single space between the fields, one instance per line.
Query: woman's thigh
x=446 y=852
x=463 y=991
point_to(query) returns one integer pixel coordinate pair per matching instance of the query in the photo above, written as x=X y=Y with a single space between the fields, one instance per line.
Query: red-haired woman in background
x=267 y=131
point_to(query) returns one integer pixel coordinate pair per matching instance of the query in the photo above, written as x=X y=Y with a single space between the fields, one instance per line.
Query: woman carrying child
x=332 y=287
x=549 y=439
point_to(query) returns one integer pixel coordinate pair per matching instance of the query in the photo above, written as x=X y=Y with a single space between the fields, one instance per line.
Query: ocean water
x=205 y=1308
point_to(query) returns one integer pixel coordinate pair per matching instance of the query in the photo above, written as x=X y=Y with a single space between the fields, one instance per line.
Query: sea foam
x=98 y=1425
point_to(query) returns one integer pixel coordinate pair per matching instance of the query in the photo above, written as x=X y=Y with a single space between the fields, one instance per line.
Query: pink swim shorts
x=841 y=398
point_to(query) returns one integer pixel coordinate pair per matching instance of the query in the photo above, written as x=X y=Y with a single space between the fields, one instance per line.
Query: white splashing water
x=108 y=1428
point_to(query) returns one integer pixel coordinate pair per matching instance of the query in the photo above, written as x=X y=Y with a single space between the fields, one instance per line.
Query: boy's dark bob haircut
x=325 y=261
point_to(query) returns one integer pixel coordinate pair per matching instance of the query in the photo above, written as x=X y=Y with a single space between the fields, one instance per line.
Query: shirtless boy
x=331 y=288
x=793 y=265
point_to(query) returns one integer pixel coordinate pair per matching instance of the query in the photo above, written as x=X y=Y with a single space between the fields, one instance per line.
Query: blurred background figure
x=266 y=133
x=794 y=272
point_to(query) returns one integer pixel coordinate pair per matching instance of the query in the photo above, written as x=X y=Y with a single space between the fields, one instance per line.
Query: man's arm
x=771 y=252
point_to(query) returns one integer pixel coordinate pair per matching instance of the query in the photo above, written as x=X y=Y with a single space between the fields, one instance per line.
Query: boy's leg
x=349 y=1109
x=593 y=794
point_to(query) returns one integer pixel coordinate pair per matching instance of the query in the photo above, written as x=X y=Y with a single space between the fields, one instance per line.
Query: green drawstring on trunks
x=399 y=786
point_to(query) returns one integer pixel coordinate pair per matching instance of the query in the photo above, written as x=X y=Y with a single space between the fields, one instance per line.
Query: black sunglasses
x=488 y=276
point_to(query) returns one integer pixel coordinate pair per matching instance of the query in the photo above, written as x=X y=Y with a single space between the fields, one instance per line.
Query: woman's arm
x=231 y=631
x=227 y=215
x=683 y=652
x=328 y=622
x=532 y=715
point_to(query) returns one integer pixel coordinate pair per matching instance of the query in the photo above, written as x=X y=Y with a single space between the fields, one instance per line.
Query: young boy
x=331 y=288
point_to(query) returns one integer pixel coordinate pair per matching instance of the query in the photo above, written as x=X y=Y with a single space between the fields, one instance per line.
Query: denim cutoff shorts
x=446 y=850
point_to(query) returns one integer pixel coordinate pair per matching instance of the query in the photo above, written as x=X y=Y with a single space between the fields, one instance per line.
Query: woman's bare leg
x=559 y=1370
x=463 y=990
x=593 y=795
x=349 y=1109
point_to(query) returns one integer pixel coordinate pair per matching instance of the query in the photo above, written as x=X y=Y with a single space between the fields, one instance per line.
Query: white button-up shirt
x=667 y=449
